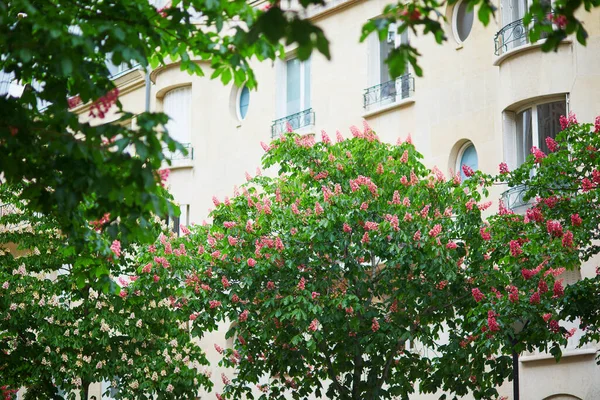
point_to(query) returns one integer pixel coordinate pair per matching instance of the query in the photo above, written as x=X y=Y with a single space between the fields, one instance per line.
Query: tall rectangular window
x=534 y=125
x=297 y=84
x=177 y=104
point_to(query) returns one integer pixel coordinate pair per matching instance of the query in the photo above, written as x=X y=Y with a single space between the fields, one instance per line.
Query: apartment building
x=487 y=96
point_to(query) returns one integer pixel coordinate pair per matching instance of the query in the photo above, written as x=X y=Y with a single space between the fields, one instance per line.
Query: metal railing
x=8 y=209
x=295 y=121
x=389 y=92
x=514 y=198
x=178 y=154
x=514 y=35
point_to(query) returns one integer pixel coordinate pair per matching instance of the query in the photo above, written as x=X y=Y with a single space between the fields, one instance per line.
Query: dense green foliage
x=356 y=272
x=72 y=316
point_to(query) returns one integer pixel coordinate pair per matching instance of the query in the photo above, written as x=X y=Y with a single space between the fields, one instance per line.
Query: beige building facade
x=487 y=96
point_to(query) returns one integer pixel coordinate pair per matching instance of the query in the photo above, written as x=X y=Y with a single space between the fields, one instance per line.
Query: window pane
x=177 y=105
x=524 y=140
x=548 y=121
x=464 y=20
x=385 y=47
x=306 y=65
x=293 y=86
x=468 y=158
x=244 y=102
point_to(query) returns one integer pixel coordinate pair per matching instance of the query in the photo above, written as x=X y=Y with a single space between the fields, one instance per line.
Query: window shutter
x=177 y=105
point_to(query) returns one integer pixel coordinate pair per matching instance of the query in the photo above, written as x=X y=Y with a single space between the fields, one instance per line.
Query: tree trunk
x=85 y=388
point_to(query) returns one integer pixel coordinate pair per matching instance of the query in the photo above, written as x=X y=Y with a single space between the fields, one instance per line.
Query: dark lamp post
x=517 y=327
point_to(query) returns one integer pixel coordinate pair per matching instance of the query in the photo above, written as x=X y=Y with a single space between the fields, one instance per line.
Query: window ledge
x=306 y=130
x=566 y=353
x=180 y=164
x=524 y=48
x=388 y=107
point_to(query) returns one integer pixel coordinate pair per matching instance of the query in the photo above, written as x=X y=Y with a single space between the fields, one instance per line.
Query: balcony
x=8 y=209
x=514 y=199
x=294 y=122
x=389 y=93
x=178 y=158
x=510 y=36
x=513 y=36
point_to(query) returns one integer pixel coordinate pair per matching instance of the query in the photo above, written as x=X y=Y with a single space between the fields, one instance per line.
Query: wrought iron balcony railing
x=514 y=198
x=389 y=92
x=295 y=121
x=178 y=154
x=7 y=209
x=513 y=35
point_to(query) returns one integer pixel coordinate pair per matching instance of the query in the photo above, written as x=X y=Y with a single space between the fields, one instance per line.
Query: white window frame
x=459 y=156
x=281 y=110
x=455 y=20
x=375 y=62
x=510 y=144
x=238 y=99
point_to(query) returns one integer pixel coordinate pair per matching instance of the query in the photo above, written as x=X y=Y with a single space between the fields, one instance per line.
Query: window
x=297 y=86
x=512 y=10
x=379 y=52
x=174 y=223
x=177 y=104
x=382 y=89
x=293 y=96
x=467 y=155
x=462 y=21
x=243 y=101
x=533 y=125
x=108 y=391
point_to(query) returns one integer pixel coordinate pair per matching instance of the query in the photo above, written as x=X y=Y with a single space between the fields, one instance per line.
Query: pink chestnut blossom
x=515 y=248
x=251 y=262
x=552 y=145
x=477 y=294
x=116 y=248
x=492 y=322
x=375 y=325
x=313 y=325
x=325 y=138
x=503 y=167
x=538 y=154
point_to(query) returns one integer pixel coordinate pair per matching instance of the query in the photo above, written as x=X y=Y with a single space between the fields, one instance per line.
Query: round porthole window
x=462 y=21
x=243 y=102
x=467 y=156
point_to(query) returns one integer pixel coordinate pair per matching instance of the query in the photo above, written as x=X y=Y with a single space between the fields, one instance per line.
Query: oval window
x=468 y=157
x=243 y=102
x=462 y=21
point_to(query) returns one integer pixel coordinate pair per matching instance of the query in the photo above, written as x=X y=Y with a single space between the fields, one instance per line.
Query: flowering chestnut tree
x=356 y=272
x=562 y=190
x=71 y=317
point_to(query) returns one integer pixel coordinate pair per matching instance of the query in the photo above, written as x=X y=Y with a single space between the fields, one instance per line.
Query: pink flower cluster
x=566 y=122
x=538 y=154
x=116 y=248
x=492 y=322
x=355 y=184
x=477 y=294
x=374 y=325
x=101 y=106
x=552 y=145
x=515 y=248
x=554 y=228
